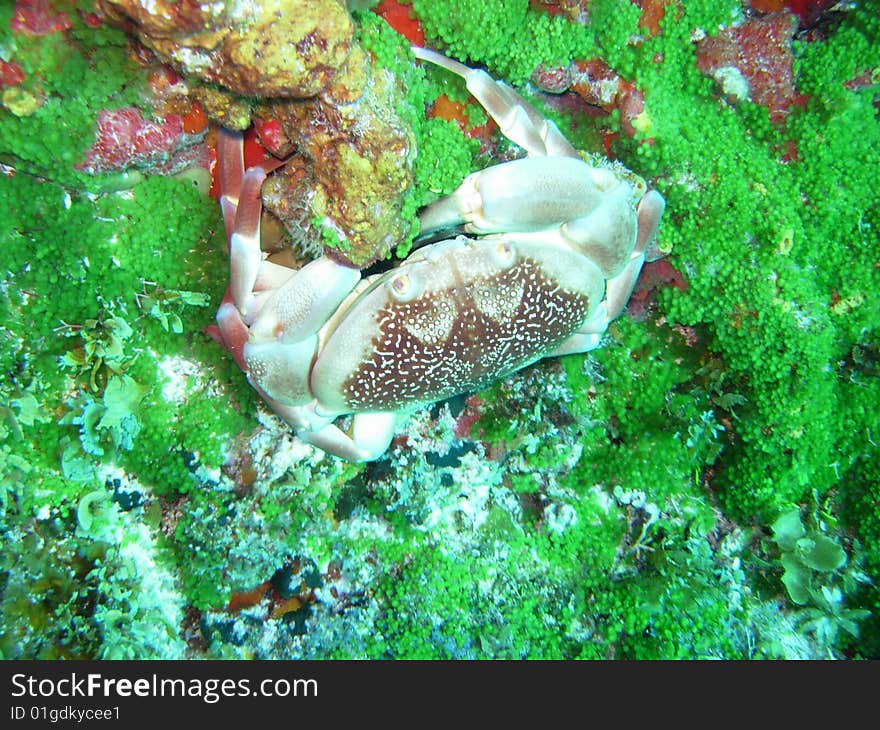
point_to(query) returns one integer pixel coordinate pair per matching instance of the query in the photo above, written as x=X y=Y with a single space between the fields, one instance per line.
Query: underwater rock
x=600 y=85
x=283 y=48
x=324 y=99
x=754 y=61
x=552 y=79
x=358 y=154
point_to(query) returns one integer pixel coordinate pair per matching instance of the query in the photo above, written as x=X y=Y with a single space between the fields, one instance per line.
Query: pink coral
x=37 y=17
x=600 y=85
x=125 y=139
x=760 y=50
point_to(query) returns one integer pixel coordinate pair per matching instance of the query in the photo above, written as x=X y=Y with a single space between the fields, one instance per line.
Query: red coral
x=760 y=50
x=270 y=134
x=254 y=151
x=10 y=74
x=37 y=17
x=807 y=11
x=598 y=84
x=655 y=275
x=93 y=20
x=125 y=139
x=469 y=417
x=401 y=18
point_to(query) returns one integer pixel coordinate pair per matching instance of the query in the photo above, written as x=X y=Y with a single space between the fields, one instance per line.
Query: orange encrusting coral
x=195 y=120
x=653 y=11
x=248 y=599
x=456 y=111
x=401 y=18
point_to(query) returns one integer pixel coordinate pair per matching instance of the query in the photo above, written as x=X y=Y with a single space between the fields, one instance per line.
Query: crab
x=543 y=254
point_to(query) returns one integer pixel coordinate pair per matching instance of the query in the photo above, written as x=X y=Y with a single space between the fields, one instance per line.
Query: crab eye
x=400 y=284
x=402 y=287
x=504 y=255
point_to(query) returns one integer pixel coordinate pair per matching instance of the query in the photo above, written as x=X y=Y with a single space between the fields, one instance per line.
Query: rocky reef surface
x=704 y=485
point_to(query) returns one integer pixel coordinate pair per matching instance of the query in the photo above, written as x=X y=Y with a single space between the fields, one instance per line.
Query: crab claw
x=530 y=194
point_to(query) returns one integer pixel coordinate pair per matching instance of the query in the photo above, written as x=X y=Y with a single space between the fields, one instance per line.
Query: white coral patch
x=559 y=517
x=194 y=61
x=179 y=375
x=732 y=82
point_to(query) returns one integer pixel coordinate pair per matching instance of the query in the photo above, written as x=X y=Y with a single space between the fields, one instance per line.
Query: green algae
x=53 y=138
x=768 y=279
x=509 y=38
x=90 y=285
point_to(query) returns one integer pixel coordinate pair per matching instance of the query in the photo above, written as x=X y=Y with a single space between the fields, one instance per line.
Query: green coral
x=775 y=325
x=54 y=137
x=506 y=36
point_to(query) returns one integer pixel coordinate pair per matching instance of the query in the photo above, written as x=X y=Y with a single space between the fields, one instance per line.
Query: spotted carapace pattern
x=463 y=338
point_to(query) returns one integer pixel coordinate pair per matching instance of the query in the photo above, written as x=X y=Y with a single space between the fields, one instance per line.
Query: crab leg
x=230 y=171
x=553 y=184
x=530 y=194
x=250 y=273
x=371 y=437
x=231 y=329
x=371 y=433
x=516 y=118
x=620 y=287
x=242 y=207
x=271 y=316
x=245 y=256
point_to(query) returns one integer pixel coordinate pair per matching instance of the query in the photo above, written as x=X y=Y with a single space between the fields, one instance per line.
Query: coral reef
x=704 y=485
x=299 y=69
x=286 y=48
x=350 y=178
x=754 y=61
